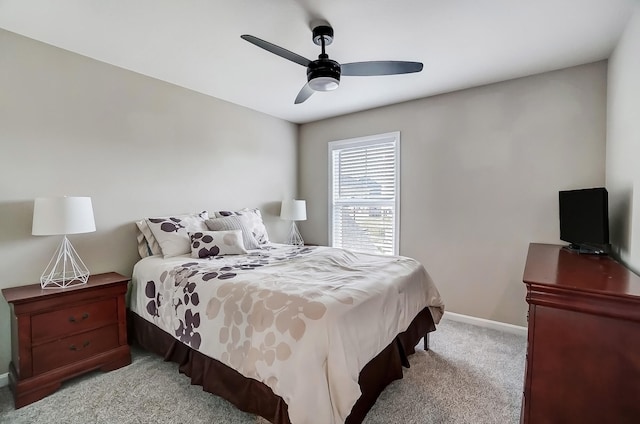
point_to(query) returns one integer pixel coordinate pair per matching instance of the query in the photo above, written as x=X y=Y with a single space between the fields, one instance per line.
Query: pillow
x=143 y=247
x=171 y=232
x=235 y=222
x=256 y=226
x=147 y=243
x=215 y=243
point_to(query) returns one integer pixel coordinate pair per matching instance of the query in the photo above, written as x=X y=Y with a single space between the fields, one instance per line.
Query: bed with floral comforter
x=304 y=321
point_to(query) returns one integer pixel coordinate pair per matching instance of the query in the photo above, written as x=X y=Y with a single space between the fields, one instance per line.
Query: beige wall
x=480 y=168
x=623 y=144
x=139 y=147
x=480 y=174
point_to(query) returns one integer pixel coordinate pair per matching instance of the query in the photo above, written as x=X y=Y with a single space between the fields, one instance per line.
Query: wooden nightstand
x=57 y=334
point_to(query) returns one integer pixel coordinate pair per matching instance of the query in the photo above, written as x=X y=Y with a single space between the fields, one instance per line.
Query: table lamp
x=294 y=210
x=62 y=216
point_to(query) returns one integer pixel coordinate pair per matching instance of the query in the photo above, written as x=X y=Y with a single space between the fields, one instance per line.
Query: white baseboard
x=4 y=379
x=481 y=322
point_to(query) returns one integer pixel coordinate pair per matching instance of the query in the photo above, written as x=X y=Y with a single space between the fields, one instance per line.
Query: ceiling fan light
x=324 y=83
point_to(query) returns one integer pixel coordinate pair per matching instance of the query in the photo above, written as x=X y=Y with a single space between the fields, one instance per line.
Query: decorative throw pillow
x=171 y=232
x=143 y=247
x=256 y=226
x=147 y=243
x=215 y=243
x=235 y=222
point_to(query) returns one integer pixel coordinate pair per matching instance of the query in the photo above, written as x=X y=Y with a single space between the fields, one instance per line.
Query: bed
x=294 y=334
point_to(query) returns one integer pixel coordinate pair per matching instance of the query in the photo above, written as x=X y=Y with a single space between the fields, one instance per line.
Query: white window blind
x=364 y=193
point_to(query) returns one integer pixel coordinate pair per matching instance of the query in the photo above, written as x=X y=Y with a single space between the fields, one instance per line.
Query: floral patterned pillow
x=172 y=232
x=216 y=243
x=256 y=225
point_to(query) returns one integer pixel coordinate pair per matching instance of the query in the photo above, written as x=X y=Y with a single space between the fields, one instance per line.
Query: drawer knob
x=85 y=344
x=82 y=318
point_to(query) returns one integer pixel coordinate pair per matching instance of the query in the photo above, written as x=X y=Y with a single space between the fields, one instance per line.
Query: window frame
x=369 y=140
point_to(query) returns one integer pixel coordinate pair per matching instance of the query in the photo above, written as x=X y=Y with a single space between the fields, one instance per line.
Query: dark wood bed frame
x=255 y=397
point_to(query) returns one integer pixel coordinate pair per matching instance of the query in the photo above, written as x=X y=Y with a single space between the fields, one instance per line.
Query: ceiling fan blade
x=381 y=67
x=282 y=52
x=304 y=94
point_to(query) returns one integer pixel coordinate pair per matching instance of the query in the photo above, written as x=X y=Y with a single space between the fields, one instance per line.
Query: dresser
x=57 y=334
x=583 y=353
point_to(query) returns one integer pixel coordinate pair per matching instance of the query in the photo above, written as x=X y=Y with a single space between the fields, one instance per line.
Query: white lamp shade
x=62 y=215
x=293 y=210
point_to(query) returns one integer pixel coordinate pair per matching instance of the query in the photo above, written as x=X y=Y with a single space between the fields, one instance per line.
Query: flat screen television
x=584 y=219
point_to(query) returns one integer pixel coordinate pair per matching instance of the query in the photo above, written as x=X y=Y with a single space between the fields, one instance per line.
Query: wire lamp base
x=294 y=236
x=65 y=268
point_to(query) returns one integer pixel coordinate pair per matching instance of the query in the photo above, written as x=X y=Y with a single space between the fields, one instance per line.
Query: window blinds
x=364 y=186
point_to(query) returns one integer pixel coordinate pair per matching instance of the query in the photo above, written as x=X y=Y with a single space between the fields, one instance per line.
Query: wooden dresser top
x=25 y=293
x=551 y=267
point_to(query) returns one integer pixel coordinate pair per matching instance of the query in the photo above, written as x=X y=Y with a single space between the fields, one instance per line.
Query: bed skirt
x=257 y=398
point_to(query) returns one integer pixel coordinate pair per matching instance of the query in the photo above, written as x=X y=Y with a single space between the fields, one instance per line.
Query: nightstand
x=57 y=334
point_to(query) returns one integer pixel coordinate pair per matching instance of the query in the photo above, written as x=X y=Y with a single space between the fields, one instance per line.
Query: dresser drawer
x=74 y=348
x=68 y=321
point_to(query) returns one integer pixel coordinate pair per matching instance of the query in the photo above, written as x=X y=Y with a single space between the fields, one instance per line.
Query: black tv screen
x=584 y=217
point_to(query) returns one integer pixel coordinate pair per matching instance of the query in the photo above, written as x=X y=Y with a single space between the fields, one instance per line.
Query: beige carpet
x=471 y=375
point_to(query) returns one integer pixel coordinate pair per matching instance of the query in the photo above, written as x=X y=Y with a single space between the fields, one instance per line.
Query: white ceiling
x=196 y=43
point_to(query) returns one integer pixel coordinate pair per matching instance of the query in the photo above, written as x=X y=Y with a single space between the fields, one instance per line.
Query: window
x=364 y=193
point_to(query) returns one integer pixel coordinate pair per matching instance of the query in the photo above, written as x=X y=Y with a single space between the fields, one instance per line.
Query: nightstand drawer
x=65 y=322
x=73 y=349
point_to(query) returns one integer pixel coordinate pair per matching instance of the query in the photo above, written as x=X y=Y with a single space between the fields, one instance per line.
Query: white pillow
x=255 y=224
x=216 y=243
x=172 y=232
x=235 y=222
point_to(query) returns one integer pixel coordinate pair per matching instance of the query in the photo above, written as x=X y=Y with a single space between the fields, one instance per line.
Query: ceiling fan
x=323 y=74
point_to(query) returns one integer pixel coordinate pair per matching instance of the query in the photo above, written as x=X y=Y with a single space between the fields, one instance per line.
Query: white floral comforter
x=302 y=320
